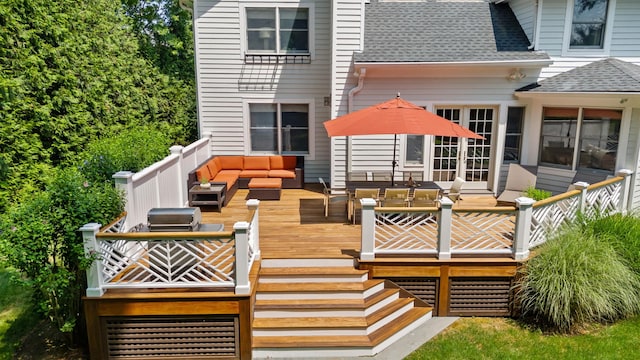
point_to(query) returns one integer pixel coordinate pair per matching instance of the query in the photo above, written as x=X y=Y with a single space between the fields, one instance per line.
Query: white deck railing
x=484 y=231
x=163 y=184
x=143 y=260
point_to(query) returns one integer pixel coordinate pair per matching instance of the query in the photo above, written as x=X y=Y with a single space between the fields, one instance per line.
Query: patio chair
x=518 y=180
x=362 y=194
x=331 y=195
x=357 y=176
x=454 y=191
x=425 y=197
x=396 y=198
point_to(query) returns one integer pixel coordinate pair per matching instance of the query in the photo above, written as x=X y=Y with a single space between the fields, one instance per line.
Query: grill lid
x=174 y=219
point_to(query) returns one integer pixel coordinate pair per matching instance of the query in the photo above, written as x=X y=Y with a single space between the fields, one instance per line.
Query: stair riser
x=389 y=318
x=289 y=263
x=308 y=296
x=312 y=279
x=311 y=353
x=308 y=313
x=379 y=305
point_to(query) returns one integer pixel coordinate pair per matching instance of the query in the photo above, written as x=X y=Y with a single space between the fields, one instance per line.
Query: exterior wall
x=525 y=11
x=551 y=32
x=348 y=21
x=226 y=84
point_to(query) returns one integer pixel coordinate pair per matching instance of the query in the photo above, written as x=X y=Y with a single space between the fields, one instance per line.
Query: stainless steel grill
x=174 y=219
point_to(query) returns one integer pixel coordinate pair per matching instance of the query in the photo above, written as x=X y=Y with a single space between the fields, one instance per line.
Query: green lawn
x=497 y=338
x=16 y=317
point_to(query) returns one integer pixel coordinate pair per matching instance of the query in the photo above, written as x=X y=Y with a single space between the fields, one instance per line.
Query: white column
x=242 y=257
x=444 y=228
x=182 y=181
x=94 y=271
x=367 y=243
x=582 y=186
x=253 y=204
x=626 y=190
x=520 y=246
x=124 y=183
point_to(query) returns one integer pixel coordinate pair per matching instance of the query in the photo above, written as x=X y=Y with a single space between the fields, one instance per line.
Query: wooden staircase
x=325 y=307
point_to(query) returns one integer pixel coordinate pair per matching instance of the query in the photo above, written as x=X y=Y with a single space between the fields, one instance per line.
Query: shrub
x=575 y=279
x=622 y=232
x=537 y=194
x=40 y=238
x=131 y=150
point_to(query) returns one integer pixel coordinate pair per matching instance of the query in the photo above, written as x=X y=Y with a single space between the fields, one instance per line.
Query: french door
x=460 y=157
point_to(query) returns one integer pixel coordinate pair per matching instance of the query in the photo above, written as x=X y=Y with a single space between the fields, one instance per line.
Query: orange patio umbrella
x=396 y=116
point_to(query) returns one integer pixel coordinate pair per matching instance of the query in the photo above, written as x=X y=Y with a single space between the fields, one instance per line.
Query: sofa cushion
x=279 y=162
x=256 y=163
x=213 y=168
x=235 y=173
x=254 y=173
x=284 y=174
x=232 y=162
x=203 y=172
x=228 y=178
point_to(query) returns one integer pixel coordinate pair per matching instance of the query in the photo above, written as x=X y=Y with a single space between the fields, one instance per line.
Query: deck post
x=444 y=228
x=124 y=183
x=182 y=191
x=368 y=227
x=254 y=233
x=625 y=191
x=241 y=229
x=582 y=186
x=522 y=233
x=94 y=271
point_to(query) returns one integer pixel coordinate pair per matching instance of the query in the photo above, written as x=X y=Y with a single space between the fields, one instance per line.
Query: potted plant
x=204 y=182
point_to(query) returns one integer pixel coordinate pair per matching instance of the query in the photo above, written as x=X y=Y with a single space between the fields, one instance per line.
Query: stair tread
x=401 y=322
x=296 y=304
x=388 y=310
x=337 y=270
x=310 y=322
x=317 y=286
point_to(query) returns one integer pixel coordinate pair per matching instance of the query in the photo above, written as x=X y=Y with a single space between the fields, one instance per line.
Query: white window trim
x=608 y=31
x=246 y=115
x=268 y=4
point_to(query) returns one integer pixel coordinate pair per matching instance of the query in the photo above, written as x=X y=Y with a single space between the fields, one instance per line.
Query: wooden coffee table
x=214 y=195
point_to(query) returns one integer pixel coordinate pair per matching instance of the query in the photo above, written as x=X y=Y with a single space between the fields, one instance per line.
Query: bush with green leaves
x=131 y=150
x=537 y=194
x=575 y=279
x=40 y=237
x=622 y=232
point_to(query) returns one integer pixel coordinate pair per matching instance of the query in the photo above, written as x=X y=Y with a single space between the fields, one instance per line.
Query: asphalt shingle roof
x=608 y=75
x=437 y=31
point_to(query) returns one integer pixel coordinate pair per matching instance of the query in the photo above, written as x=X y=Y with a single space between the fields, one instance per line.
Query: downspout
x=536 y=31
x=361 y=74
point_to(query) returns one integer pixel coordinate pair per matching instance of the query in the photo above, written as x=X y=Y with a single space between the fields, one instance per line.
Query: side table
x=211 y=196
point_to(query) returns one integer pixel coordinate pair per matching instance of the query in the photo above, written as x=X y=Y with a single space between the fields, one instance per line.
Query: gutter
x=518 y=63
x=361 y=74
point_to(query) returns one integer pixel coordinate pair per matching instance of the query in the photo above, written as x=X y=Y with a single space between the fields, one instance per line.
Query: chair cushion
x=256 y=163
x=284 y=174
x=232 y=162
x=254 y=173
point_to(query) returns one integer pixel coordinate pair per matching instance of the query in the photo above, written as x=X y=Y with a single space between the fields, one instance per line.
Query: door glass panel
x=445 y=162
x=478 y=150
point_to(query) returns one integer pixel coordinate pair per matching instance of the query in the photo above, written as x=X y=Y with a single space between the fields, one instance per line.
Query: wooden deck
x=295 y=226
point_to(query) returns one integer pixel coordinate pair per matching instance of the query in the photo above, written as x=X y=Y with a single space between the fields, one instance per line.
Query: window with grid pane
x=278 y=30
x=513 y=137
x=279 y=128
x=589 y=23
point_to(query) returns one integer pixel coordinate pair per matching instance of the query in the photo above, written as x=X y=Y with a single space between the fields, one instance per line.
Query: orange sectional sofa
x=237 y=170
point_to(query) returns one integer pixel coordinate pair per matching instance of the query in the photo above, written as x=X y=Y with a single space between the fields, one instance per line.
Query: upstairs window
x=589 y=24
x=278 y=30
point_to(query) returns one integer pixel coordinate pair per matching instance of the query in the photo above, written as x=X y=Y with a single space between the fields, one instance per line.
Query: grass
x=16 y=316
x=498 y=338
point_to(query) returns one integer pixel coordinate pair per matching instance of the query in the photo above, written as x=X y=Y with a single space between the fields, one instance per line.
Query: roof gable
x=608 y=75
x=443 y=31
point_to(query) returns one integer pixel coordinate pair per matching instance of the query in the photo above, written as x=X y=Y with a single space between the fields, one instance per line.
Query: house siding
x=348 y=20
x=226 y=83
x=552 y=22
x=525 y=11
x=625 y=41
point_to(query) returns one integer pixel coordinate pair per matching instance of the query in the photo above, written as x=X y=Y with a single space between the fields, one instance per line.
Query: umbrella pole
x=393 y=162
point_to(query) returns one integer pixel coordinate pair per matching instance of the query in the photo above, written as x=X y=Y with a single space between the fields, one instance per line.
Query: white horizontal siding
x=525 y=11
x=551 y=31
x=625 y=39
x=225 y=82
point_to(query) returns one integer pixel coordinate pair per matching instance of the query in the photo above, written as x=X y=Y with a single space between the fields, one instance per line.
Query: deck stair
x=327 y=308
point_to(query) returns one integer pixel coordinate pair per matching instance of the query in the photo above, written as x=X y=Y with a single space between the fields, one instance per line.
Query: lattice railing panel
x=167 y=263
x=547 y=219
x=603 y=200
x=482 y=230
x=405 y=231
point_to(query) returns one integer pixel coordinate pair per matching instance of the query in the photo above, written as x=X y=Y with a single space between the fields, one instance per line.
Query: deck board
x=295 y=226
